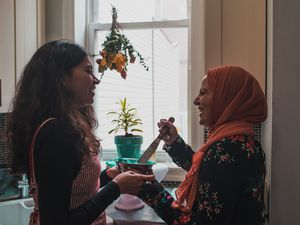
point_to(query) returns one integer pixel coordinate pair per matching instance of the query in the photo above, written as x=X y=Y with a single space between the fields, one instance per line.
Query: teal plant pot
x=128 y=147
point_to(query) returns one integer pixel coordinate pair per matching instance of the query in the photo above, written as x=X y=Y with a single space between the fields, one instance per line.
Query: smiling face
x=82 y=83
x=204 y=103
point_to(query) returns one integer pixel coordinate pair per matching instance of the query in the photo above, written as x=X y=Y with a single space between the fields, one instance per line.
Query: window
x=159 y=30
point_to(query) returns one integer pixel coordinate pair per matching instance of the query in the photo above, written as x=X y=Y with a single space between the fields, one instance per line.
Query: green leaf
x=114 y=113
x=137 y=120
x=123 y=103
x=111 y=131
x=137 y=130
x=131 y=109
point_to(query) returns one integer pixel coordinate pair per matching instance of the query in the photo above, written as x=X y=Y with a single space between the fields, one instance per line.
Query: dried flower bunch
x=117 y=51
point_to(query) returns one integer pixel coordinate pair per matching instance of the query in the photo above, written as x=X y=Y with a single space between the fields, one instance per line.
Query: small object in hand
x=153 y=146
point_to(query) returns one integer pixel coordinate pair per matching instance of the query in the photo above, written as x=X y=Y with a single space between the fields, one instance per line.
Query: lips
x=91 y=92
x=200 y=111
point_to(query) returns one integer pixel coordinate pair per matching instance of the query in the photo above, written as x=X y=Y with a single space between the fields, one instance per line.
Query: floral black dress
x=231 y=187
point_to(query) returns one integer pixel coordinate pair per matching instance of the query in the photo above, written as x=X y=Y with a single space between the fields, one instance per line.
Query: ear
x=66 y=80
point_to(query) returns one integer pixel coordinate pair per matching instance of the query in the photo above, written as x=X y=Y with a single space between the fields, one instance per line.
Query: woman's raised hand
x=171 y=135
x=131 y=182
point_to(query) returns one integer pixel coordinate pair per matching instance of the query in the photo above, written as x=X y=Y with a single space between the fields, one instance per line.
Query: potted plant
x=128 y=145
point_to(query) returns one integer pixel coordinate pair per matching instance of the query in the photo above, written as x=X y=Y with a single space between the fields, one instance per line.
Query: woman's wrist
x=171 y=142
x=168 y=147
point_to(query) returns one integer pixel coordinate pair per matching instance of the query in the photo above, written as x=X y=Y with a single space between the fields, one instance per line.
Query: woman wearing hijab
x=225 y=177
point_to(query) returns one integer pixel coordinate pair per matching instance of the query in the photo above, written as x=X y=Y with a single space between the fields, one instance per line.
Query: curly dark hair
x=41 y=94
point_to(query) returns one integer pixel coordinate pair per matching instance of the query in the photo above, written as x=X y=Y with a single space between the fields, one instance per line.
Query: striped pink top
x=87 y=183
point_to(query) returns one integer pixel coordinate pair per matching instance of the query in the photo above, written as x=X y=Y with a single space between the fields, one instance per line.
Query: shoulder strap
x=31 y=150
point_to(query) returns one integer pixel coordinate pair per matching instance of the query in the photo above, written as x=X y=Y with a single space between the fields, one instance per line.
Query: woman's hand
x=171 y=135
x=130 y=182
x=113 y=171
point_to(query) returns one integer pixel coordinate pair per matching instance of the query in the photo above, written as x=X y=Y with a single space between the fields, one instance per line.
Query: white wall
x=7 y=53
x=26 y=33
x=285 y=182
x=61 y=22
x=267 y=126
x=18 y=42
x=197 y=69
x=59 y=19
x=54 y=14
x=244 y=36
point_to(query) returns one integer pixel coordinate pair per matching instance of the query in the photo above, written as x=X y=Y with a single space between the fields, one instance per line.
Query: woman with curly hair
x=51 y=133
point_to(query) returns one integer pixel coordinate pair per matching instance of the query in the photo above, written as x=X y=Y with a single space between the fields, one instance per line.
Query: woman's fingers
x=131 y=182
x=162 y=122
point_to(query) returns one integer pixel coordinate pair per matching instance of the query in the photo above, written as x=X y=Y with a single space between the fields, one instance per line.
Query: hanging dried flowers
x=117 y=51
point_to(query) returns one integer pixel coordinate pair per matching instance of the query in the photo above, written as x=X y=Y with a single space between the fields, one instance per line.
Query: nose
x=196 y=101
x=95 y=80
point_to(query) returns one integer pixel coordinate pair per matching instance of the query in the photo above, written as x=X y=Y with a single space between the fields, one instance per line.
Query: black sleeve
x=89 y=211
x=181 y=153
x=104 y=178
x=57 y=164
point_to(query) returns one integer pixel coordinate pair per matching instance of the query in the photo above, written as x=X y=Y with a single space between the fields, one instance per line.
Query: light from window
x=142 y=10
x=158 y=93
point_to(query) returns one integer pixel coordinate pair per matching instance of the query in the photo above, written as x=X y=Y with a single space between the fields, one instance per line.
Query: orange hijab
x=237 y=103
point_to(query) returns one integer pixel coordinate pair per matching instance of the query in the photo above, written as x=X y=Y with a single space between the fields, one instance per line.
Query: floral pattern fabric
x=231 y=184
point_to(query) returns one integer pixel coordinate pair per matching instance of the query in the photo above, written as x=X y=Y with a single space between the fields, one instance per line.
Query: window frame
x=93 y=27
